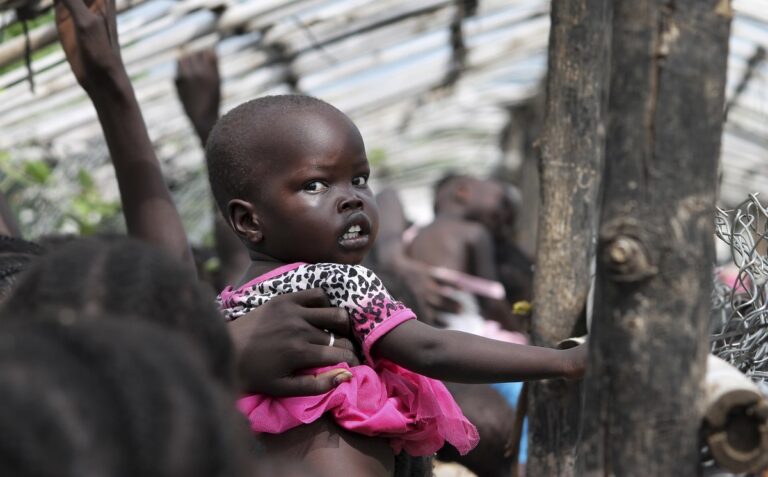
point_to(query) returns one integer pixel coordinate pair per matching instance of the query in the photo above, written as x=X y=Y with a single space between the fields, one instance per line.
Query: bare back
x=456 y=244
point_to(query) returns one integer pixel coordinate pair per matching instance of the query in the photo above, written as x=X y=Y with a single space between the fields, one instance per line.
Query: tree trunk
x=572 y=146
x=643 y=405
x=520 y=167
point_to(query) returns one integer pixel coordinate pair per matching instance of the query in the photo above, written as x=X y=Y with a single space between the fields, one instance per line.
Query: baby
x=290 y=174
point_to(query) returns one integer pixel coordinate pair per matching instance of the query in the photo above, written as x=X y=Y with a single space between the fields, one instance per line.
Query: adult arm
x=482 y=256
x=481 y=252
x=465 y=358
x=88 y=33
x=278 y=340
x=198 y=85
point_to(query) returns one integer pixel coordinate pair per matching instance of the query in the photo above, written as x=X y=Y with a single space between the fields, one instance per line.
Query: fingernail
x=342 y=377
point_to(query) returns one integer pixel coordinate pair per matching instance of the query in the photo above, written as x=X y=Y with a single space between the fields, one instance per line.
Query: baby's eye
x=360 y=181
x=315 y=187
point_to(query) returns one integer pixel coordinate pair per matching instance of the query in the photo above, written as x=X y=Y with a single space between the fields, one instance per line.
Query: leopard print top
x=371 y=308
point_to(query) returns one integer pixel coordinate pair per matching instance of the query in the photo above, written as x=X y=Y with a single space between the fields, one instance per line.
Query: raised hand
x=88 y=33
x=199 y=87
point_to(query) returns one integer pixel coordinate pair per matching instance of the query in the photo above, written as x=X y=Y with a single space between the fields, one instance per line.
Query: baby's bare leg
x=332 y=451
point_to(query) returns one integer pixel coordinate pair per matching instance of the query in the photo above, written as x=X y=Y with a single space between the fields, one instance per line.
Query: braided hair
x=110 y=398
x=94 y=278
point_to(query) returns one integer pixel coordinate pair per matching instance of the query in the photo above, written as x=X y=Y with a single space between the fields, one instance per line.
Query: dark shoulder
x=476 y=233
x=461 y=229
x=448 y=226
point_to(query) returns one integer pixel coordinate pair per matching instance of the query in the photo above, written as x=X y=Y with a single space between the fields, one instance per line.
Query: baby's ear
x=244 y=220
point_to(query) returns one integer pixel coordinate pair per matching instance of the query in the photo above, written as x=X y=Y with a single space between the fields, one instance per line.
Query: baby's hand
x=575 y=361
x=88 y=33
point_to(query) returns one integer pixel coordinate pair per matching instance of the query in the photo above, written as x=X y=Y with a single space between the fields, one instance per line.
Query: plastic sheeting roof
x=387 y=63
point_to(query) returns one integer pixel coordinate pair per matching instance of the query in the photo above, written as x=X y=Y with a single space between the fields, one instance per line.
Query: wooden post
x=520 y=166
x=643 y=403
x=572 y=146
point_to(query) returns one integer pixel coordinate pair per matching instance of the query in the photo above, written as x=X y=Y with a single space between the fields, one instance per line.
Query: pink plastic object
x=470 y=283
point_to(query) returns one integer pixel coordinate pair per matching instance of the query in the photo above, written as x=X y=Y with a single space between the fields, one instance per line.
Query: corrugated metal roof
x=387 y=63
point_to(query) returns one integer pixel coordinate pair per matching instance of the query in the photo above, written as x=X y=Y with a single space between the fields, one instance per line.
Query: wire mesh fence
x=739 y=325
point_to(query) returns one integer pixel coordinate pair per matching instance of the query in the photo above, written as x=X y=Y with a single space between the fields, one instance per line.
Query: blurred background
x=434 y=85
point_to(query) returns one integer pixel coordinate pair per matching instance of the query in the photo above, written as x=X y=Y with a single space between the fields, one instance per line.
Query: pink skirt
x=416 y=413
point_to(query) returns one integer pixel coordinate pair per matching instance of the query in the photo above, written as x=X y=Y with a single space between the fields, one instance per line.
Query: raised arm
x=88 y=33
x=198 y=85
x=464 y=358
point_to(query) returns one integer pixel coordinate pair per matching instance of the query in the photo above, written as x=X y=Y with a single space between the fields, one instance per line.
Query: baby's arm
x=442 y=354
x=465 y=358
x=88 y=34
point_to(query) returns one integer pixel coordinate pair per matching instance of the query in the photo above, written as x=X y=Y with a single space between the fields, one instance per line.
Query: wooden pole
x=643 y=403
x=570 y=169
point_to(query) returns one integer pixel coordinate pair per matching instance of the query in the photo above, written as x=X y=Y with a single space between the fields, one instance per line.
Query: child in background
x=459 y=239
x=290 y=174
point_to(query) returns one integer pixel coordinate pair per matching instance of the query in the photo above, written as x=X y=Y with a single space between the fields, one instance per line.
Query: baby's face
x=316 y=205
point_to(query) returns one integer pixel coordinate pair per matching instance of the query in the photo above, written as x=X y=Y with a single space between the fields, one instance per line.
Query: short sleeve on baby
x=372 y=310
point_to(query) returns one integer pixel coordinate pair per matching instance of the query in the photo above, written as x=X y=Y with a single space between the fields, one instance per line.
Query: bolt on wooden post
x=648 y=342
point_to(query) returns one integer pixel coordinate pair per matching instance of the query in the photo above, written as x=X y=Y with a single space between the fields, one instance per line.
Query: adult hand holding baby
x=285 y=336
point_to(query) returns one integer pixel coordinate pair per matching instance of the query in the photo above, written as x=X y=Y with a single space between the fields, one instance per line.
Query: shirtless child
x=458 y=239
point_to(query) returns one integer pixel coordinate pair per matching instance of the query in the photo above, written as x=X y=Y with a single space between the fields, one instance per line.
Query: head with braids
x=94 y=278
x=110 y=398
x=15 y=255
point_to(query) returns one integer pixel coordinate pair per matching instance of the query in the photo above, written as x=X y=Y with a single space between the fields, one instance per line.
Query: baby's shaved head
x=252 y=139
